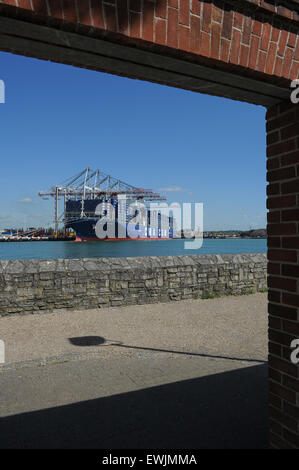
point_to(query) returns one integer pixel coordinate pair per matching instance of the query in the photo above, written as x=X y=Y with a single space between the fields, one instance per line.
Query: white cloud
x=172 y=189
x=26 y=200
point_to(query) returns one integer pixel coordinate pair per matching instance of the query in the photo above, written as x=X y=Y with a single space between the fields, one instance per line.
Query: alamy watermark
x=2 y=352
x=295 y=92
x=155 y=221
x=295 y=353
x=2 y=92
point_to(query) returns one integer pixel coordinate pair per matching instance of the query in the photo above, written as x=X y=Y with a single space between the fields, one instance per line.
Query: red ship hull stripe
x=95 y=239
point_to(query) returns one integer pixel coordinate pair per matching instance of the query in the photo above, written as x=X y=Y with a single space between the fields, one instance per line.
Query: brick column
x=283 y=271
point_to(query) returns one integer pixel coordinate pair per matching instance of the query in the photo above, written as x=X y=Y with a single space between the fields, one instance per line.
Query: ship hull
x=92 y=239
x=86 y=231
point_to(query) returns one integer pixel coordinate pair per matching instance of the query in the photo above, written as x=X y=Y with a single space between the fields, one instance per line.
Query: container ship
x=99 y=207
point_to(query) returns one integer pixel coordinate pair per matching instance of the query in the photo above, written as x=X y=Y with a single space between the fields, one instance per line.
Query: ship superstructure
x=93 y=198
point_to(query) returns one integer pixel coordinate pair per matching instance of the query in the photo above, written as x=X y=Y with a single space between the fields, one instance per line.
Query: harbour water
x=115 y=249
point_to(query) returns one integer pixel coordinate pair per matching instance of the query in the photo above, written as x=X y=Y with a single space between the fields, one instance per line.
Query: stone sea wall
x=31 y=286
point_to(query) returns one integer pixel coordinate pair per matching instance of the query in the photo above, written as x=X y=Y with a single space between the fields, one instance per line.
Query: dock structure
x=82 y=194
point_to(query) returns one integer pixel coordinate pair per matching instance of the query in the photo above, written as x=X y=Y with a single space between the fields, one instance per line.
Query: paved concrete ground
x=187 y=374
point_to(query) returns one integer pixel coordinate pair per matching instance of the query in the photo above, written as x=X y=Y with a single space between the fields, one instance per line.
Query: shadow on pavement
x=226 y=410
x=87 y=341
x=83 y=341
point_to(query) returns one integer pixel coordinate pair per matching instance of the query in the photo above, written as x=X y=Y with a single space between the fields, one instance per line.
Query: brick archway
x=246 y=50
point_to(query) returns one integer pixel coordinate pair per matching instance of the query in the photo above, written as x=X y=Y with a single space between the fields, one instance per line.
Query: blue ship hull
x=86 y=231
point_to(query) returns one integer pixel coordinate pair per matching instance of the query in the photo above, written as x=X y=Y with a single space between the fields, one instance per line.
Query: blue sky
x=58 y=119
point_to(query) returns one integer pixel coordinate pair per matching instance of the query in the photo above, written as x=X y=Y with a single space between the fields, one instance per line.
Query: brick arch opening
x=245 y=50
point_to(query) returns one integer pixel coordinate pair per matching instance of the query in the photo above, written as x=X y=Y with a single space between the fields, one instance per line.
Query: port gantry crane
x=93 y=184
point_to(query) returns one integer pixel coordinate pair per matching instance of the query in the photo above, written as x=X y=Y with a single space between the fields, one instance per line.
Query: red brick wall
x=283 y=269
x=257 y=35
